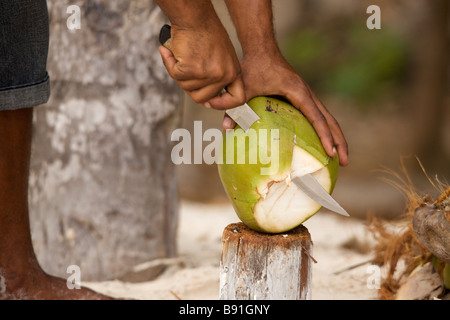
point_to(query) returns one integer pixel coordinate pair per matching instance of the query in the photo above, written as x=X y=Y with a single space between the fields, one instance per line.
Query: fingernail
x=334 y=150
x=207 y=105
x=228 y=123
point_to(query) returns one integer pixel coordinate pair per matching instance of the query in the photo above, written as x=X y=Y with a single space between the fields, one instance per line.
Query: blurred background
x=104 y=193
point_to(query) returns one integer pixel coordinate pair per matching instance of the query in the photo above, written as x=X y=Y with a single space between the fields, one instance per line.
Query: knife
x=313 y=189
x=245 y=117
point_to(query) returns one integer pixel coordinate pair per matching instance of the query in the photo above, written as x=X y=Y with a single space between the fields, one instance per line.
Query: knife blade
x=243 y=115
x=313 y=189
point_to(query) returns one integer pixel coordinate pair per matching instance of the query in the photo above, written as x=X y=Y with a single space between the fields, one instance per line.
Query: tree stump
x=258 y=266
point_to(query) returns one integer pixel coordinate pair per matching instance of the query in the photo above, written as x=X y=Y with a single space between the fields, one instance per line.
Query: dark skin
x=21 y=277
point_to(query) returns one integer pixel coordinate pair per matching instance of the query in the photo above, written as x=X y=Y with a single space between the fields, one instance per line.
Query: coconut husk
x=432 y=227
x=397 y=247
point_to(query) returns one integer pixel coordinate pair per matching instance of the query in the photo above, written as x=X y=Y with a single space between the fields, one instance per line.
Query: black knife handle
x=165 y=36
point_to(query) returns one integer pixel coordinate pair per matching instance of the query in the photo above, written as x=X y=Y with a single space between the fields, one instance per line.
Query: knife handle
x=165 y=38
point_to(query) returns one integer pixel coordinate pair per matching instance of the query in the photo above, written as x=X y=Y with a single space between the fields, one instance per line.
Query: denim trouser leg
x=24 y=40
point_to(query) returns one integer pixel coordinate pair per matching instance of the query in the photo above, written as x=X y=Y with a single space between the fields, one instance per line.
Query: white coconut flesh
x=282 y=204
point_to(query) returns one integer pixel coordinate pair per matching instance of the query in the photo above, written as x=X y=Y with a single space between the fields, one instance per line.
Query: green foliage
x=353 y=62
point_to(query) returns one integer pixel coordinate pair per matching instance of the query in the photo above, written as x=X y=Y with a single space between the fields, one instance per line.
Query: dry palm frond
x=444 y=198
x=401 y=244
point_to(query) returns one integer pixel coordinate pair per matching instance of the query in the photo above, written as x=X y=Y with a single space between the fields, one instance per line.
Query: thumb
x=168 y=59
x=228 y=123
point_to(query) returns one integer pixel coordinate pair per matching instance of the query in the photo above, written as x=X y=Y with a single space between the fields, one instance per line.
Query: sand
x=339 y=243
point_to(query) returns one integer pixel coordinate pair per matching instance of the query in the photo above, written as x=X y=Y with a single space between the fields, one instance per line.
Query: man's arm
x=202 y=59
x=266 y=72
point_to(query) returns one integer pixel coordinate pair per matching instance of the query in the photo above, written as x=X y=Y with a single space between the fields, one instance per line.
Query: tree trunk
x=428 y=93
x=258 y=266
x=102 y=185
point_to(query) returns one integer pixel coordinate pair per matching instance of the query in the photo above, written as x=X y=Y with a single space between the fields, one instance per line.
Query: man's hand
x=266 y=72
x=266 y=75
x=202 y=58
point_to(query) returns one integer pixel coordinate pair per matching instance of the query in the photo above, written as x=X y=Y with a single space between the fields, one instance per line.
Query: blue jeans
x=24 y=40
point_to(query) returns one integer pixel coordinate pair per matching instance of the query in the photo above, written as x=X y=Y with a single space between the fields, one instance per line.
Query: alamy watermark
x=74 y=20
x=74 y=279
x=255 y=146
x=374 y=280
x=374 y=20
x=2 y=285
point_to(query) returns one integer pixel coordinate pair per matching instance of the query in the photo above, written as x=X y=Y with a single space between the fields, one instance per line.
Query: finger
x=342 y=148
x=195 y=84
x=303 y=101
x=206 y=94
x=336 y=131
x=228 y=123
x=234 y=97
x=168 y=59
x=339 y=140
x=341 y=145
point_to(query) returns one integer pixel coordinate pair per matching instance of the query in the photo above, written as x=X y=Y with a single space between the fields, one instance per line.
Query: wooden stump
x=259 y=266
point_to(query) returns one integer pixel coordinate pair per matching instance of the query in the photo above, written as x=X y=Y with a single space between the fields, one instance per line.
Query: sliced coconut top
x=283 y=205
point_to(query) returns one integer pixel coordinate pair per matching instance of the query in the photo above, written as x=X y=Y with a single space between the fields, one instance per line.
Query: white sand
x=194 y=274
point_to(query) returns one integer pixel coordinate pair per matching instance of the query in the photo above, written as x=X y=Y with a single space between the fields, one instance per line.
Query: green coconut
x=286 y=144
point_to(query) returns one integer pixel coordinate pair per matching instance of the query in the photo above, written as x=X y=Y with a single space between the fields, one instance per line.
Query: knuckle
x=198 y=72
x=332 y=122
x=318 y=119
x=231 y=76
x=178 y=74
x=183 y=85
x=197 y=98
x=294 y=83
x=172 y=73
x=216 y=74
x=241 y=99
x=190 y=71
x=304 y=92
x=343 y=144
